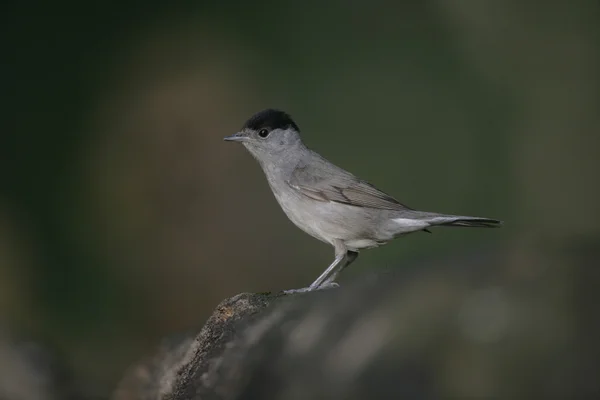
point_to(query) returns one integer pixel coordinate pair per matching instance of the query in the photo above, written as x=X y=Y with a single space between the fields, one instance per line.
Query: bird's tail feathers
x=462 y=221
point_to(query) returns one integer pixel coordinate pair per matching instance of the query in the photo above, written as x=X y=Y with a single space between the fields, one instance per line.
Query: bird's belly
x=310 y=221
x=357 y=244
x=326 y=221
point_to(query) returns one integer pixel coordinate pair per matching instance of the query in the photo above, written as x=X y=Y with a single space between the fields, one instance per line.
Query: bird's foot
x=329 y=285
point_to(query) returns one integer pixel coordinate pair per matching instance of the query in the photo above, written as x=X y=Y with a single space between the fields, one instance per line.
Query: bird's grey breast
x=299 y=209
x=323 y=220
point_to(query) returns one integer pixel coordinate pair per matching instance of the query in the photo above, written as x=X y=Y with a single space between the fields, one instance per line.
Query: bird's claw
x=324 y=286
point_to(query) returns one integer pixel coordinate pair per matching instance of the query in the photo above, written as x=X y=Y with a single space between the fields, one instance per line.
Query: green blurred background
x=124 y=217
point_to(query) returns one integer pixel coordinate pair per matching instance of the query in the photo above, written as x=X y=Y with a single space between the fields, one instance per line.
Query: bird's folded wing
x=338 y=185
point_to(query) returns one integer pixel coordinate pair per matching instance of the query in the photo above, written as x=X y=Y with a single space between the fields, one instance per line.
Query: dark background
x=124 y=217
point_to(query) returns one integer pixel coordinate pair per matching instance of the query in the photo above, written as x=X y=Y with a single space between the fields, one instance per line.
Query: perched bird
x=328 y=202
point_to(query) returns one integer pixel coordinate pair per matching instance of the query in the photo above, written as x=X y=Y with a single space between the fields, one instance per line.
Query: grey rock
x=499 y=325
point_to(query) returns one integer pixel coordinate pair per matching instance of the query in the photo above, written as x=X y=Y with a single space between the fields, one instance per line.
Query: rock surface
x=519 y=327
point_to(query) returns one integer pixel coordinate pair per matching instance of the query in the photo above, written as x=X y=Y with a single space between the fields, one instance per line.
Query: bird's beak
x=236 y=137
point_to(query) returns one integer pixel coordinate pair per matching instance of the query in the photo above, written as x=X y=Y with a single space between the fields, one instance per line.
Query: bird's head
x=268 y=134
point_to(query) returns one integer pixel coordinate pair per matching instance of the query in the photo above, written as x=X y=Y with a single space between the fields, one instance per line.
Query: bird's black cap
x=272 y=119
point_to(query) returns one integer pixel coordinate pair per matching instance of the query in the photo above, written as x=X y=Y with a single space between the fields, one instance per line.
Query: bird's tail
x=463 y=221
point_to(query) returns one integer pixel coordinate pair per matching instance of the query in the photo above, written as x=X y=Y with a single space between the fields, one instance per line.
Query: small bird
x=328 y=202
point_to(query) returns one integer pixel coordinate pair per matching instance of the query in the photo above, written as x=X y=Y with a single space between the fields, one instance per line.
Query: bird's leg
x=336 y=266
x=319 y=283
x=331 y=270
x=325 y=280
x=349 y=259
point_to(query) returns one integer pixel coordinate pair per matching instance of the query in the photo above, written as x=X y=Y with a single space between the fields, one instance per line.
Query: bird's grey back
x=322 y=180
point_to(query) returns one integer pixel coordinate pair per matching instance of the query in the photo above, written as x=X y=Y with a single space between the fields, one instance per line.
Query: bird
x=328 y=202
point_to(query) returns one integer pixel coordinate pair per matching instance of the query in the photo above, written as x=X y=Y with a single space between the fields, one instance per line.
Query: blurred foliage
x=124 y=217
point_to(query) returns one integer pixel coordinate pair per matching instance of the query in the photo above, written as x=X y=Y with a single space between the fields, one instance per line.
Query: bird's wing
x=322 y=181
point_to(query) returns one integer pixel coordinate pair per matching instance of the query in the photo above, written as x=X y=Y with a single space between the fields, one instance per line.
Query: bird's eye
x=263 y=133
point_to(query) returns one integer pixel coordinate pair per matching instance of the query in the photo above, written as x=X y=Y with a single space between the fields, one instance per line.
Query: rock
x=500 y=326
x=186 y=358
